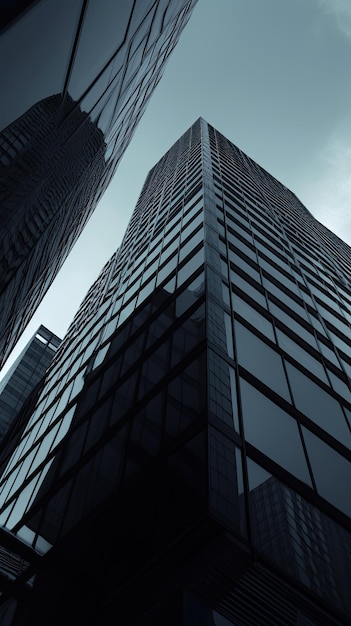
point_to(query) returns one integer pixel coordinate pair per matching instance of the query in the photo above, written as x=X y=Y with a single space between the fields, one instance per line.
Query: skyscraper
x=25 y=373
x=75 y=80
x=187 y=458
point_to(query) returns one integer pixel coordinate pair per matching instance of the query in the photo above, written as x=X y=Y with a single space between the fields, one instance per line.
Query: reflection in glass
x=33 y=79
x=189 y=295
x=273 y=431
x=331 y=471
x=299 y=538
x=105 y=23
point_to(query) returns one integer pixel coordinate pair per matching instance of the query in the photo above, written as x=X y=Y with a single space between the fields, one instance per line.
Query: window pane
x=318 y=405
x=302 y=356
x=253 y=316
x=53 y=44
x=261 y=360
x=190 y=294
x=332 y=472
x=190 y=267
x=103 y=31
x=272 y=431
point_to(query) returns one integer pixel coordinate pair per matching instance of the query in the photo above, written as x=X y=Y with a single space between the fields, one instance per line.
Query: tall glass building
x=76 y=76
x=187 y=458
x=24 y=374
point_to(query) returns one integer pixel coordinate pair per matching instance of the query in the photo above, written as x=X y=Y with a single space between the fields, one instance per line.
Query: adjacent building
x=187 y=458
x=24 y=375
x=73 y=92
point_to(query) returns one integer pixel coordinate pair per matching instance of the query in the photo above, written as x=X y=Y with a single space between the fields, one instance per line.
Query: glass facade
x=65 y=124
x=26 y=372
x=190 y=443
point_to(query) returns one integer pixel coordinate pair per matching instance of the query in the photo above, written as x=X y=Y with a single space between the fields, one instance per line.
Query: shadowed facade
x=187 y=457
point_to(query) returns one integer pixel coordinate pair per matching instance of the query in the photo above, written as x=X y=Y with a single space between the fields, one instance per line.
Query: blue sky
x=274 y=77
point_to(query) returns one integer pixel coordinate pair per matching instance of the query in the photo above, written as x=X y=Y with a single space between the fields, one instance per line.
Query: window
x=332 y=472
x=273 y=431
x=318 y=405
x=261 y=360
x=190 y=267
x=253 y=316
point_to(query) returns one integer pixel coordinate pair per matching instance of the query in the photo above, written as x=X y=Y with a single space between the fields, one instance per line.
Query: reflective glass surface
x=64 y=125
x=197 y=409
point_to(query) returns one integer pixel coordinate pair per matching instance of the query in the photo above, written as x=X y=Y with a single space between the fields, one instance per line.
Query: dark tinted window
x=272 y=431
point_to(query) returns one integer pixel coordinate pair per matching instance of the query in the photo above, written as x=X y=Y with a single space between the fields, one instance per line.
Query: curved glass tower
x=76 y=77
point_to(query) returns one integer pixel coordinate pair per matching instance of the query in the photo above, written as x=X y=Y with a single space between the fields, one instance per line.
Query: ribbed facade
x=187 y=458
x=70 y=105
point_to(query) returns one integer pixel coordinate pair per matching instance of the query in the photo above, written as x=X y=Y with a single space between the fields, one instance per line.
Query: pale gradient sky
x=271 y=75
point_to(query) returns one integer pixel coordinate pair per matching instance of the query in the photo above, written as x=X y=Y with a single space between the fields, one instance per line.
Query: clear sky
x=271 y=75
